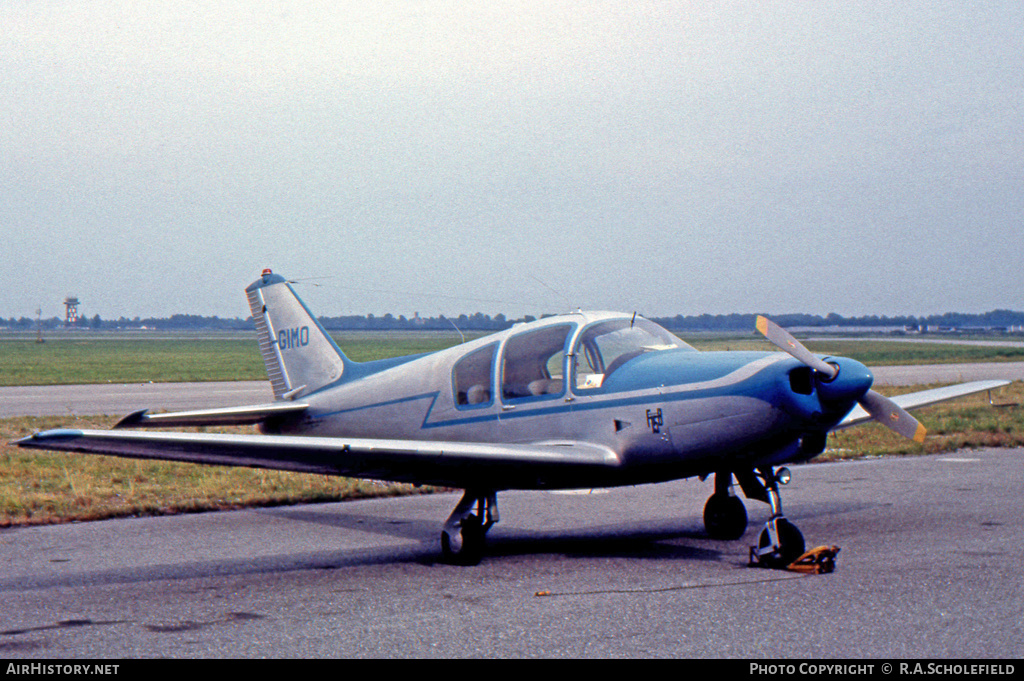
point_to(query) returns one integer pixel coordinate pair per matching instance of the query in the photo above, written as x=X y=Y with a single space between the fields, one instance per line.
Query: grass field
x=77 y=358
x=880 y=352
x=113 y=358
x=38 y=487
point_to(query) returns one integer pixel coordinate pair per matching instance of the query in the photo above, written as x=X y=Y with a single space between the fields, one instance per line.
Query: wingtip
x=41 y=439
x=133 y=419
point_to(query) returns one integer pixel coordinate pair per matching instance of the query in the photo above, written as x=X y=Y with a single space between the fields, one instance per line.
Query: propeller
x=881 y=408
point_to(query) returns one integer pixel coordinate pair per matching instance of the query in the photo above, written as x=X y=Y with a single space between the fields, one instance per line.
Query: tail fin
x=299 y=355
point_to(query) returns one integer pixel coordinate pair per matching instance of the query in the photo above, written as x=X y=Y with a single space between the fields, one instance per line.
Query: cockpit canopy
x=533 y=362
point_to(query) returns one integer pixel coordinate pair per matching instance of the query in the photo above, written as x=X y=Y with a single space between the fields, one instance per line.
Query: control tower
x=71 y=305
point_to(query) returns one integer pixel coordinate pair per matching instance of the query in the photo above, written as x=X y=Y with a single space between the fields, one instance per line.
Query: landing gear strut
x=462 y=539
x=780 y=542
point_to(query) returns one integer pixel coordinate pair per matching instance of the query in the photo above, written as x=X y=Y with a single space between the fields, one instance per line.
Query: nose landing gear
x=780 y=542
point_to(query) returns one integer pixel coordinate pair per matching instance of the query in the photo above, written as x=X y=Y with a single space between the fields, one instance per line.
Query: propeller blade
x=891 y=415
x=881 y=408
x=785 y=341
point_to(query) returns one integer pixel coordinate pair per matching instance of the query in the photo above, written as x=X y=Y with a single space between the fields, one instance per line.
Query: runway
x=928 y=374
x=122 y=399
x=928 y=568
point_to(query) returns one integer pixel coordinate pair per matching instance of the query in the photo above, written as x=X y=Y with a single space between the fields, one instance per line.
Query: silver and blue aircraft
x=583 y=400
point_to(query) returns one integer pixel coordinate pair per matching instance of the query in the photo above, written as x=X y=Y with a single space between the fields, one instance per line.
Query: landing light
x=783 y=476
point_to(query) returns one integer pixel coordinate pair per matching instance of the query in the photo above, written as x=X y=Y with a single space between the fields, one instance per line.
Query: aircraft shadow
x=622 y=541
x=681 y=539
x=401 y=527
x=627 y=540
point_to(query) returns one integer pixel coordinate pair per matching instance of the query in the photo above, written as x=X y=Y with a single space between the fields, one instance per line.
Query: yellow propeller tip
x=920 y=433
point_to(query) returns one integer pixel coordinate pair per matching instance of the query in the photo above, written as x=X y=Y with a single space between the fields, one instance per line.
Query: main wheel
x=791 y=544
x=725 y=517
x=469 y=549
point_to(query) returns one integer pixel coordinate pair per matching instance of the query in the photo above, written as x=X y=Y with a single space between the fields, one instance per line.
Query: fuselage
x=616 y=380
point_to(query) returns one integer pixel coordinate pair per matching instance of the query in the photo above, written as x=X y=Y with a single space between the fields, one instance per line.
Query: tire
x=472 y=550
x=791 y=544
x=725 y=517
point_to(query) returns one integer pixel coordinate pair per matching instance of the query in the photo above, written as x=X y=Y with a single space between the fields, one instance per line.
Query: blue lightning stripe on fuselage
x=664 y=381
x=663 y=394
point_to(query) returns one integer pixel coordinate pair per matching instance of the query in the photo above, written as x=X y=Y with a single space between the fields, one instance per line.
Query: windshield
x=604 y=347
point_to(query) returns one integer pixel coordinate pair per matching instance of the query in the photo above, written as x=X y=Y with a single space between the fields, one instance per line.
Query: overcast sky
x=516 y=157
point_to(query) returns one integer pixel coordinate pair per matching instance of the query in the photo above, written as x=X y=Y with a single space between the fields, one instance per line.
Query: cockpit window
x=473 y=376
x=532 y=363
x=606 y=346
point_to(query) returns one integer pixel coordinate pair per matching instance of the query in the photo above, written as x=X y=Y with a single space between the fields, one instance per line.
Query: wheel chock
x=818 y=561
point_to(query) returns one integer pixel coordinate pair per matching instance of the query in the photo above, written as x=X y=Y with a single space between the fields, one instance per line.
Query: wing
x=449 y=464
x=923 y=399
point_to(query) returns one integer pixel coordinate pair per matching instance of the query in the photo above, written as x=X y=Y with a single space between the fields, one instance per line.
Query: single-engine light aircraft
x=583 y=400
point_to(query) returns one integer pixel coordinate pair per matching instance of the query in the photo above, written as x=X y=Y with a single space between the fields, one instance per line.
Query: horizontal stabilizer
x=450 y=464
x=225 y=416
x=924 y=398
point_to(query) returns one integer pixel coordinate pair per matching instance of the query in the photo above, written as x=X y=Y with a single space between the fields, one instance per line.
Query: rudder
x=299 y=355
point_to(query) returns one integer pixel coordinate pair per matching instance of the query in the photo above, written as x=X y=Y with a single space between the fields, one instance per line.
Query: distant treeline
x=178 y=322
x=995 y=320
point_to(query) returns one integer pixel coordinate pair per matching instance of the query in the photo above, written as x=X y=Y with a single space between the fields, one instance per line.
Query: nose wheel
x=780 y=544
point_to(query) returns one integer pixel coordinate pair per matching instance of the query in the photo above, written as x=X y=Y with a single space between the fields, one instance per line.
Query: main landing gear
x=725 y=517
x=780 y=542
x=462 y=539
